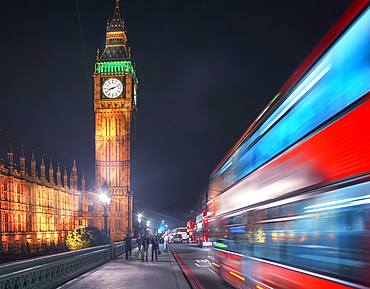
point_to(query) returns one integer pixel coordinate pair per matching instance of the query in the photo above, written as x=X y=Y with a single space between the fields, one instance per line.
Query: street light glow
x=105 y=199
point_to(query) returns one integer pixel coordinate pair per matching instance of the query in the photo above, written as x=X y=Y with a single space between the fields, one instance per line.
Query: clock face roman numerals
x=112 y=88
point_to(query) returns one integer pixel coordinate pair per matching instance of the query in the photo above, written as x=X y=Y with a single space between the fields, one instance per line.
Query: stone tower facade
x=115 y=107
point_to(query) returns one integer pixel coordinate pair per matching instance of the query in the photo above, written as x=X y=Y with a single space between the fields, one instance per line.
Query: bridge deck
x=133 y=273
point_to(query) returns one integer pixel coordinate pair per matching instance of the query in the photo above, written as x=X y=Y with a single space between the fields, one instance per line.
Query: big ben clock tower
x=115 y=107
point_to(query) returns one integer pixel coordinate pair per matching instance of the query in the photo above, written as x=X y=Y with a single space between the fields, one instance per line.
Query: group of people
x=143 y=243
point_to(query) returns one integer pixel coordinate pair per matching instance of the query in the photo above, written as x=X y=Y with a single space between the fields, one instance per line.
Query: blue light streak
x=338 y=204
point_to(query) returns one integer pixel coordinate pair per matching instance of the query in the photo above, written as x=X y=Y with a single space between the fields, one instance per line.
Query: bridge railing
x=120 y=248
x=54 y=270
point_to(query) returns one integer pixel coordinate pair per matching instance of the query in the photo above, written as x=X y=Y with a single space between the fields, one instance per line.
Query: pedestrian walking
x=166 y=240
x=128 y=245
x=139 y=241
x=155 y=247
x=145 y=247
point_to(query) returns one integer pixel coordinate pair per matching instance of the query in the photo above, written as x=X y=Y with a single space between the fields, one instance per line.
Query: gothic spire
x=33 y=164
x=65 y=178
x=22 y=152
x=73 y=178
x=83 y=182
x=10 y=154
x=116 y=41
x=59 y=177
x=116 y=24
x=74 y=168
x=51 y=172
x=22 y=162
x=42 y=168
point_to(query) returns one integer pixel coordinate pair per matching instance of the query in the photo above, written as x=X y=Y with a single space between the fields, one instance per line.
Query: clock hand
x=112 y=88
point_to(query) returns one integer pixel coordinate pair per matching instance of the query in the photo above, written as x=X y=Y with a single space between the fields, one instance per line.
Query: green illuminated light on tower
x=115 y=68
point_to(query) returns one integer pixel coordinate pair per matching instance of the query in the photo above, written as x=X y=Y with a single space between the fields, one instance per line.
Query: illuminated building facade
x=41 y=210
x=37 y=209
x=115 y=107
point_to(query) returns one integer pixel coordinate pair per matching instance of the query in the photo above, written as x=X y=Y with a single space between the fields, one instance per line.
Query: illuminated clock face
x=112 y=88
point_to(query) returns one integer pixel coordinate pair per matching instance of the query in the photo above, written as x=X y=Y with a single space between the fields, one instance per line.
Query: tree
x=83 y=238
x=97 y=232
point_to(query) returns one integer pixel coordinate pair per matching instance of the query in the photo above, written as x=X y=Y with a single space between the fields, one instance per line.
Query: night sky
x=206 y=69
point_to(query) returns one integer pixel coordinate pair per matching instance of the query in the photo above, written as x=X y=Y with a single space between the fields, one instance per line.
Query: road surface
x=198 y=261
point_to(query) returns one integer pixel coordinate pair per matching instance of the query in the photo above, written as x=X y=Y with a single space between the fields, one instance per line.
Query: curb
x=192 y=281
x=180 y=278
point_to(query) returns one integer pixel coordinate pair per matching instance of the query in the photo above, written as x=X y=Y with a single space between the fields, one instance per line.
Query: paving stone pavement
x=133 y=273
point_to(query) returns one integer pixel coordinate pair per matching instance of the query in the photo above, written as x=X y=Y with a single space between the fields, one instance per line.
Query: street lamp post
x=139 y=220
x=148 y=225
x=129 y=196
x=105 y=199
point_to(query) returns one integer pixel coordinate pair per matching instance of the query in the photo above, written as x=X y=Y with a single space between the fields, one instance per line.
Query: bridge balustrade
x=54 y=270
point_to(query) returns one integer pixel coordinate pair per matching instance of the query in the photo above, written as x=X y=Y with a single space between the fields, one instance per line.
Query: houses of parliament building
x=37 y=210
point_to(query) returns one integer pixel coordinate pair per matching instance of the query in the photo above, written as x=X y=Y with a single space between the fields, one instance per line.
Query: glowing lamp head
x=105 y=196
x=105 y=199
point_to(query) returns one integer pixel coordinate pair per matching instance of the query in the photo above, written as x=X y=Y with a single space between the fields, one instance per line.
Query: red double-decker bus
x=290 y=201
x=191 y=227
x=202 y=232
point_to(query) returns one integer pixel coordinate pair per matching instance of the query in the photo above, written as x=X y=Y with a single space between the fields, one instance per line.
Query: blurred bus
x=202 y=231
x=290 y=202
x=191 y=227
